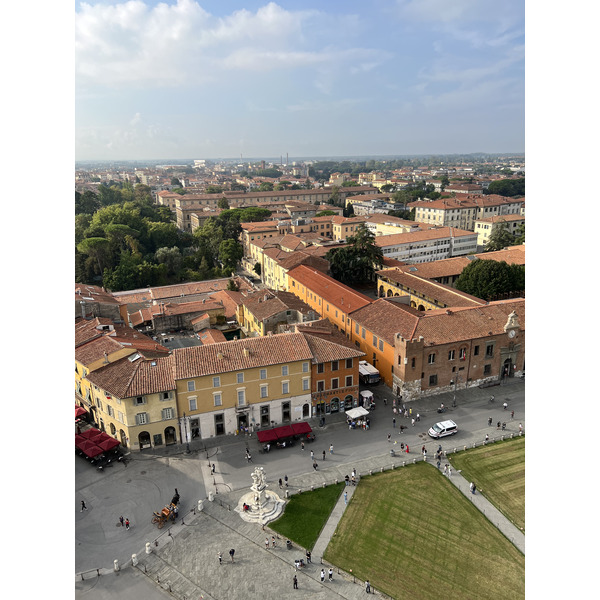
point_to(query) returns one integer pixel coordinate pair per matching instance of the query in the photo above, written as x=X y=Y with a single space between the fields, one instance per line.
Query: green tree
x=171 y=258
x=257 y=268
x=265 y=186
x=176 y=182
x=334 y=198
x=213 y=189
x=500 y=238
x=230 y=253
x=357 y=262
x=326 y=213
x=511 y=188
x=97 y=248
x=487 y=279
x=520 y=235
x=223 y=203
x=86 y=203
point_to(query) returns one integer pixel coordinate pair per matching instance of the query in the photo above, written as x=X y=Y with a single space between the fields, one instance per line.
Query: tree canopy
x=488 y=279
x=357 y=262
x=511 y=188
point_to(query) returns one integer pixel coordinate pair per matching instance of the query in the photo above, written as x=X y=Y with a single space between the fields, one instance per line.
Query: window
x=335 y=365
x=433 y=380
x=476 y=351
x=348 y=363
x=489 y=350
x=349 y=381
x=141 y=418
x=320 y=386
x=284 y=370
x=431 y=359
x=462 y=354
x=381 y=345
x=216 y=381
x=191 y=386
x=166 y=396
x=356 y=328
x=487 y=369
x=217 y=399
x=167 y=413
x=193 y=402
x=110 y=410
x=139 y=400
x=320 y=368
x=120 y=417
x=263 y=373
x=413 y=362
x=305 y=384
x=285 y=387
x=451 y=354
x=239 y=377
x=375 y=341
x=241 y=397
x=335 y=383
x=364 y=333
x=264 y=391
x=305 y=367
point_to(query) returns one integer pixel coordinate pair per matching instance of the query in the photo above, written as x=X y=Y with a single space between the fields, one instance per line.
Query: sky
x=228 y=79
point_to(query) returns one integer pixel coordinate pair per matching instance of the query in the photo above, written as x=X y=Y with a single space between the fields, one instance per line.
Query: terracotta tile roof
x=211 y=336
x=445 y=326
x=323 y=328
x=394 y=239
x=464 y=201
x=86 y=330
x=385 y=318
x=500 y=218
x=94 y=293
x=229 y=356
x=324 y=350
x=127 y=379
x=441 y=293
x=513 y=255
x=332 y=291
x=264 y=305
x=186 y=308
x=230 y=301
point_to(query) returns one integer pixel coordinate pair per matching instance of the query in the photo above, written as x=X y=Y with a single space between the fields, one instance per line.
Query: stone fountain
x=265 y=505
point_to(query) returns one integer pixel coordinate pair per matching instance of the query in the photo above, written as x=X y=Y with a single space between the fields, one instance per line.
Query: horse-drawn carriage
x=169 y=512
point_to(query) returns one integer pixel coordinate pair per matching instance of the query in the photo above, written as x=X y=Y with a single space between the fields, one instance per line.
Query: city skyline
x=222 y=80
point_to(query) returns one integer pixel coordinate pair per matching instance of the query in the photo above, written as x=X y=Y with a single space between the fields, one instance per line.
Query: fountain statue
x=260 y=505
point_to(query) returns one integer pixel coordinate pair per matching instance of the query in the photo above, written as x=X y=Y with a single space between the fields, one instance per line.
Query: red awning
x=89 y=432
x=284 y=432
x=79 y=411
x=108 y=444
x=269 y=435
x=301 y=428
x=90 y=449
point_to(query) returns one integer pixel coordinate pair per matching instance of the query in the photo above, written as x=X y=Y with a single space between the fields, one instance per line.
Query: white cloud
x=167 y=45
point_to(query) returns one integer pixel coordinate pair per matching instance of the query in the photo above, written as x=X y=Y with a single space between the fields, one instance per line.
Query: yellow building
x=135 y=401
x=250 y=383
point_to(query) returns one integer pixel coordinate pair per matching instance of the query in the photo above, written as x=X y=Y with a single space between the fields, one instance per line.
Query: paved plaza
x=181 y=561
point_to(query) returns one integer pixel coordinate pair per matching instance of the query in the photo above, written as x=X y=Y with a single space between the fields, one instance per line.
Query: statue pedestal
x=263 y=512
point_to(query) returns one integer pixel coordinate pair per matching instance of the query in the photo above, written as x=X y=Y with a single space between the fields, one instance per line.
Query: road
x=149 y=480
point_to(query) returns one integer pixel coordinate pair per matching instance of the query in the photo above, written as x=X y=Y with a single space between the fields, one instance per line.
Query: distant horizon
x=289 y=159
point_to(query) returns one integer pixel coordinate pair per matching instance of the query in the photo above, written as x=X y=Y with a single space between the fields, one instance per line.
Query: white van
x=442 y=429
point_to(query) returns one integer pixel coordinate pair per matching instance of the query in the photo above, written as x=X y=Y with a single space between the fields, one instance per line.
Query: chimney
x=105 y=358
x=246 y=352
x=220 y=355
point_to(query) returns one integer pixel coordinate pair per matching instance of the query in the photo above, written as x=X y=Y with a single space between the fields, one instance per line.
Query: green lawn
x=306 y=514
x=498 y=470
x=414 y=535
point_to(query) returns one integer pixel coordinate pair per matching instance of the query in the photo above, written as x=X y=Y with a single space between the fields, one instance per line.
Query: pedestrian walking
x=295 y=582
x=83 y=506
x=490 y=422
x=315 y=465
x=273 y=541
x=126 y=523
x=231 y=553
x=122 y=521
x=248 y=456
x=474 y=488
x=407 y=450
x=330 y=573
x=487 y=438
x=220 y=557
x=384 y=401
x=520 y=427
x=410 y=411
x=213 y=469
x=439 y=462
x=503 y=426
x=345 y=497
x=323 y=454
x=280 y=484
x=449 y=470
x=367 y=587
x=498 y=425
x=505 y=405
x=322 y=575
x=413 y=422
x=389 y=437
x=471 y=487
x=312 y=455
x=266 y=543
x=308 y=556
x=330 y=448
x=406 y=413
x=423 y=449
x=302 y=445
x=353 y=480
x=445 y=469
x=347 y=480
x=512 y=414
x=394 y=421
x=395 y=411
x=286 y=480
x=418 y=417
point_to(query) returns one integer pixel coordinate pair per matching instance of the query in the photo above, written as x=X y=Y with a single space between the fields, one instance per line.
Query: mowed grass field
x=414 y=535
x=306 y=514
x=498 y=471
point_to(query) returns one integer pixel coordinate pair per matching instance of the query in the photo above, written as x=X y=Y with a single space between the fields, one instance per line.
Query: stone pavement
x=185 y=564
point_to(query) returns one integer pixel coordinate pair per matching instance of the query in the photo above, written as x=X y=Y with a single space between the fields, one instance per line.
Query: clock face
x=512 y=333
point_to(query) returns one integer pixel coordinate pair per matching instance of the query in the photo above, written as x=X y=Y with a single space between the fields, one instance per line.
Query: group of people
x=360 y=423
x=352 y=479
